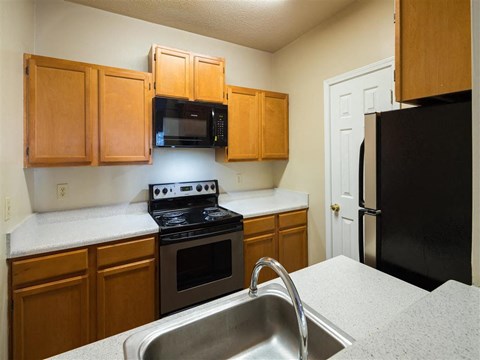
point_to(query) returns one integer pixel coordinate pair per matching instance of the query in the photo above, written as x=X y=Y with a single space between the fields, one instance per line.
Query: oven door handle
x=195 y=234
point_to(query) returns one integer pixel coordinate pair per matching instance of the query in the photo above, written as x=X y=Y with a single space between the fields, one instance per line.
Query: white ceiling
x=266 y=25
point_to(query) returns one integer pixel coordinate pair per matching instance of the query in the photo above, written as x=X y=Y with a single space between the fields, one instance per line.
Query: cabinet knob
x=335 y=207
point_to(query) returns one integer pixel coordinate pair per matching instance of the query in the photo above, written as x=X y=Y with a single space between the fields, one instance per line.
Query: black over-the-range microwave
x=183 y=123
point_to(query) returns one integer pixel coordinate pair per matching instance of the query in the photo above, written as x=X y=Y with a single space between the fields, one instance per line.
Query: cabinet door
x=50 y=318
x=243 y=124
x=255 y=248
x=125 y=116
x=209 y=75
x=60 y=109
x=432 y=50
x=274 y=125
x=292 y=248
x=125 y=297
x=173 y=73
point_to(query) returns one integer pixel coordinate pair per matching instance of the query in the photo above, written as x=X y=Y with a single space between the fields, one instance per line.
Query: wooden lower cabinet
x=255 y=248
x=280 y=236
x=125 y=297
x=50 y=318
x=57 y=299
x=292 y=248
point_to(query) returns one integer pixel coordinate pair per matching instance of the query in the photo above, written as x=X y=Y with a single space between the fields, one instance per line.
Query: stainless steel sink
x=237 y=327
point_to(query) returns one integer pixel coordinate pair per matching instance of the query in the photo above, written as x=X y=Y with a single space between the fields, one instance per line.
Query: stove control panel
x=174 y=190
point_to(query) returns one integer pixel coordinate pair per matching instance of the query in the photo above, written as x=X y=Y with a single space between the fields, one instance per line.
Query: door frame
x=327 y=84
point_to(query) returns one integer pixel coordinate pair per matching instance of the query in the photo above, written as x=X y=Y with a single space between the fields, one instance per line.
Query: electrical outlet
x=239 y=178
x=8 y=209
x=62 y=191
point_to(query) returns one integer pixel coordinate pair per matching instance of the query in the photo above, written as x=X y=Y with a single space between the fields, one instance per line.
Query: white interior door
x=350 y=97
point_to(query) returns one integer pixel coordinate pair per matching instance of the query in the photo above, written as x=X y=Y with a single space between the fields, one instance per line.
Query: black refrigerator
x=415 y=217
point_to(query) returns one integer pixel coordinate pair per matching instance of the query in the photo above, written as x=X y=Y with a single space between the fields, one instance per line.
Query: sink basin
x=239 y=327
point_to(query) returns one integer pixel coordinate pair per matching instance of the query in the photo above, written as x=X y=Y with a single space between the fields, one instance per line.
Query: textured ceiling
x=266 y=25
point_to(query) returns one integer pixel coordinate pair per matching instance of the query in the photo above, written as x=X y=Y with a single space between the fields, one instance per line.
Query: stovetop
x=179 y=207
x=187 y=218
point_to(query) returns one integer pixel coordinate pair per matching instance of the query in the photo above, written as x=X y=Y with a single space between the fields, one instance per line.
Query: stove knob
x=156 y=191
x=199 y=187
x=206 y=187
x=212 y=186
x=164 y=191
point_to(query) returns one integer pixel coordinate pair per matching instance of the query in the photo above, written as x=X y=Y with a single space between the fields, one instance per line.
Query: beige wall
x=476 y=140
x=16 y=37
x=361 y=34
x=76 y=32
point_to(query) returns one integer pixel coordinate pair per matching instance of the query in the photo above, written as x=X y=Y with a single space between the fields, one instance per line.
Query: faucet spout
x=292 y=291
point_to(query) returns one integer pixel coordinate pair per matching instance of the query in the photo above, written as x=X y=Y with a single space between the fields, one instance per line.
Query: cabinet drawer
x=259 y=225
x=50 y=266
x=292 y=219
x=130 y=250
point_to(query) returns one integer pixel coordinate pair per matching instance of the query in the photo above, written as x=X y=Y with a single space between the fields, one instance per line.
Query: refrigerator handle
x=361 y=255
x=361 y=170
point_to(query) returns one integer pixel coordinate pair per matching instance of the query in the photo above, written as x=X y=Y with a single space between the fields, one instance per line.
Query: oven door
x=198 y=270
x=181 y=123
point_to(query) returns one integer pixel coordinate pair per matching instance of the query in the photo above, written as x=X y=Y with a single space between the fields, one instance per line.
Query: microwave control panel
x=220 y=127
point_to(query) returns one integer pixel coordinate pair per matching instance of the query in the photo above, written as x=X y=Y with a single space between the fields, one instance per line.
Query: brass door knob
x=335 y=207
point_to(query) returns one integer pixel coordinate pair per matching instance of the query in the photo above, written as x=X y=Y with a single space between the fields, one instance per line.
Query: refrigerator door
x=424 y=193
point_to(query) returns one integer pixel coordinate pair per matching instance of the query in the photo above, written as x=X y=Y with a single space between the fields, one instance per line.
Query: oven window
x=203 y=264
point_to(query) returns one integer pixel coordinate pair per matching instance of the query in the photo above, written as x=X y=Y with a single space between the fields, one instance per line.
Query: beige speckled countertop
x=263 y=202
x=358 y=299
x=60 y=230
x=41 y=233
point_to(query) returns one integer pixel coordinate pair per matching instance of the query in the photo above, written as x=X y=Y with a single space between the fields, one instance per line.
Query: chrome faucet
x=292 y=291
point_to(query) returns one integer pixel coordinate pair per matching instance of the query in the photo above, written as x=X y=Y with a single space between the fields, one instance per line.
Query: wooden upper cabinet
x=60 y=108
x=173 y=73
x=209 y=75
x=85 y=114
x=185 y=75
x=124 y=116
x=257 y=125
x=432 y=48
x=243 y=123
x=274 y=125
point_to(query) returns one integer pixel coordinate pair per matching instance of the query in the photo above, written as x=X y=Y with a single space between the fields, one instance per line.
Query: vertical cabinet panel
x=292 y=245
x=173 y=73
x=125 y=297
x=209 y=79
x=432 y=48
x=50 y=318
x=243 y=124
x=59 y=112
x=124 y=116
x=255 y=248
x=275 y=126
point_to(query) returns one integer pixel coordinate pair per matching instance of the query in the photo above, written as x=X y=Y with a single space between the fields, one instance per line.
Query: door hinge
x=394 y=19
x=227 y=96
x=150 y=151
x=154 y=57
x=27 y=71
x=28 y=151
x=391 y=96
x=154 y=85
x=149 y=86
x=394 y=75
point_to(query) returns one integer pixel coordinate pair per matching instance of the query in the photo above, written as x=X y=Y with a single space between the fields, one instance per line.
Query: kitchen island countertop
x=358 y=299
